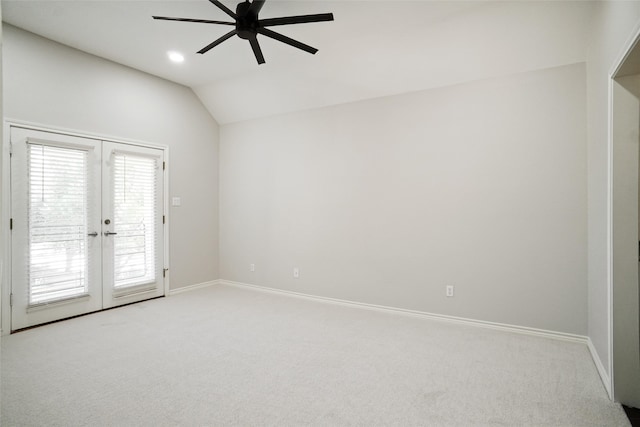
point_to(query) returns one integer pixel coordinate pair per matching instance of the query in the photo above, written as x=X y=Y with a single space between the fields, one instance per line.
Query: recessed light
x=175 y=56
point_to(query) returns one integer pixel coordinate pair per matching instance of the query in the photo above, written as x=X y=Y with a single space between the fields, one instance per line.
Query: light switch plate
x=175 y=201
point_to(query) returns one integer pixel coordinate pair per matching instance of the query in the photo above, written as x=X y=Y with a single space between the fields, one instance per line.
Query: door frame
x=5 y=273
x=632 y=43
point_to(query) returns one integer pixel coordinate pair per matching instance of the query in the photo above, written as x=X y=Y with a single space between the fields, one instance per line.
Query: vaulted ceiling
x=372 y=49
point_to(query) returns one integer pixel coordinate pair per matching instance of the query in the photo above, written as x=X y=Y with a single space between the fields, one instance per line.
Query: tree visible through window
x=57 y=222
x=134 y=191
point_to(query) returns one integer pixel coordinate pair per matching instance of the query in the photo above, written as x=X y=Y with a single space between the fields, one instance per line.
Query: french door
x=87 y=225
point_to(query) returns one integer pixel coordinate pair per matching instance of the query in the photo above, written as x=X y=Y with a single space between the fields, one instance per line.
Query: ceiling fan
x=248 y=26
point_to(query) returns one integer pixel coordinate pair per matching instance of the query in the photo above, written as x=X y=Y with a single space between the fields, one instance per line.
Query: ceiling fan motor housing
x=247 y=22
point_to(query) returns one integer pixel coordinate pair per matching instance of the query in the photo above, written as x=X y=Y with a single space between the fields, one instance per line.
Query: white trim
x=79 y=133
x=5 y=279
x=189 y=288
x=166 y=210
x=421 y=314
x=606 y=380
x=609 y=386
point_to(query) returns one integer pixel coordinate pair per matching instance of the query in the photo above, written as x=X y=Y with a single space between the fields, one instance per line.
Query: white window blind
x=135 y=213
x=57 y=223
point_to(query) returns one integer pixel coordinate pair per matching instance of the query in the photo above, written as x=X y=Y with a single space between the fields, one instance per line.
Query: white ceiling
x=372 y=49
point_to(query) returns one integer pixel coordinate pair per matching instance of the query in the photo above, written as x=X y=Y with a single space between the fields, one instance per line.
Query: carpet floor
x=226 y=356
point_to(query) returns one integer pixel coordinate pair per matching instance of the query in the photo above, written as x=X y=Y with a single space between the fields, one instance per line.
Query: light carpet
x=224 y=356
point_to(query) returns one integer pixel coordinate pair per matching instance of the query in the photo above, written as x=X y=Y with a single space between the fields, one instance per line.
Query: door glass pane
x=57 y=222
x=134 y=193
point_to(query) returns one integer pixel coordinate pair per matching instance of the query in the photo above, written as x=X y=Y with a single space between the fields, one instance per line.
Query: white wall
x=613 y=25
x=480 y=185
x=53 y=85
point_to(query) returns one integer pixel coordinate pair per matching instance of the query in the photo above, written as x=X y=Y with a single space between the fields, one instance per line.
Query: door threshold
x=82 y=315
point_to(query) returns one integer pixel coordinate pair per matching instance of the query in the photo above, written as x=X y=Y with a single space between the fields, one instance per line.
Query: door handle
x=94 y=234
x=109 y=233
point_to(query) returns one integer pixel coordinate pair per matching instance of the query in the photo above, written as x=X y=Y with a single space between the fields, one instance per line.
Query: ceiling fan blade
x=203 y=21
x=210 y=46
x=224 y=8
x=287 y=40
x=256 y=50
x=255 y=7
x=302 y=19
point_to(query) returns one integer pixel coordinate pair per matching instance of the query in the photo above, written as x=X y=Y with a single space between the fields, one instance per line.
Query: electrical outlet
x=252 y=267
x=449 y=290
x=296 y=272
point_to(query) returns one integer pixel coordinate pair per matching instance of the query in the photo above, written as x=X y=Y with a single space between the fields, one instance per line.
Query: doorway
x=87 y=225
x=625 y=133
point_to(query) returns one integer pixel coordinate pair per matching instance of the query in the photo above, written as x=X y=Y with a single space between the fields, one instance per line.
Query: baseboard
x=440 y=317
x=604 y=376
x=193 y=287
